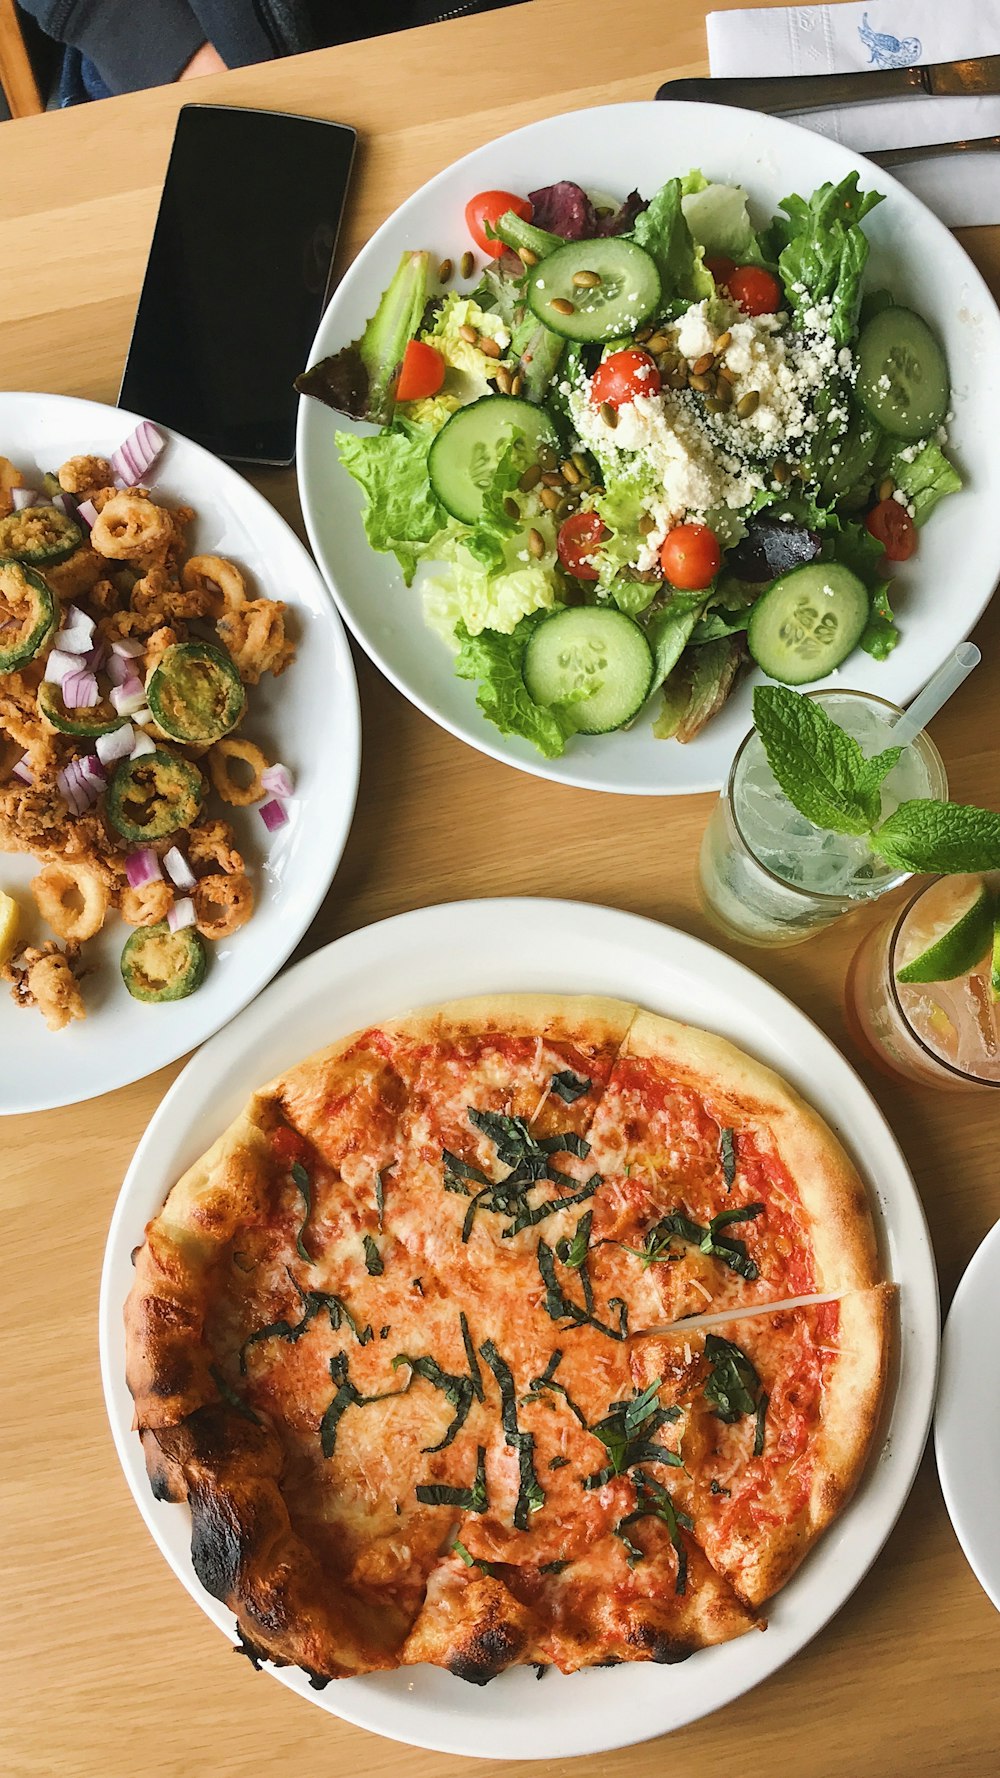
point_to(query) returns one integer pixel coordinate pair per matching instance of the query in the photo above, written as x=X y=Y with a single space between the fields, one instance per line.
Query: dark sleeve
x=132 y=45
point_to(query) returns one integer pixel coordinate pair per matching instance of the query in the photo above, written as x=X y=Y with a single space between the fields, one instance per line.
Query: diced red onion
x=143 y=867
x=59 y=664
x=278 y=780
x=136 y=454
x=92 y=770
x=119 y=670
x=79 y=786
x=142 y=744
x=178 y=869
x=98 y=654
x=87 y=513
x=127 y=647
x=80 y=691
x=66 y=504
x=128 y=698
x=116 y=745
x=23 y=771
x=77 y=633
x=273 y=814
x=75 y=618
x=22 y=497
x=181 y=914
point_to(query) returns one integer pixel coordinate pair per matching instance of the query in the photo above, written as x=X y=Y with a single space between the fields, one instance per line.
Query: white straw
x=950 y=675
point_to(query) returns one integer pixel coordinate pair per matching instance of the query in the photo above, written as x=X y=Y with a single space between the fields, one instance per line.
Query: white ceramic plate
x=479 y=947
x=309 y=718
x=615 y=148
x=967 y=1419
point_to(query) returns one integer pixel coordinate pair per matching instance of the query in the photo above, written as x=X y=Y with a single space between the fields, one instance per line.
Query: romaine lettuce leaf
x=463 y=597
x=719 y=220
x=495 y=662
x=925 y=478
x=360 y=380
x=459 y=354
x=825 y=252
x=663 y=232
x=402 y=512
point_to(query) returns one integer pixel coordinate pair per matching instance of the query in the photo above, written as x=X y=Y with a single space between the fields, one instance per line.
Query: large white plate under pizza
x=550 y=948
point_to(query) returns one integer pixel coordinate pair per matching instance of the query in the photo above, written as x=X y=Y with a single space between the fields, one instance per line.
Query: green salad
x=653 y=444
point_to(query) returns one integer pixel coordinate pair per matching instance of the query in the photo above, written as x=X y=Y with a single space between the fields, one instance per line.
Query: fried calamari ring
x=85 y=476
x=220 y=763
x=74 y=578
x=222 y=904
x=147 y=905
x=73 y=898
x=9 y=478
x=219 y=582
x=255 y=637
x=130 y=526
x=211 y=848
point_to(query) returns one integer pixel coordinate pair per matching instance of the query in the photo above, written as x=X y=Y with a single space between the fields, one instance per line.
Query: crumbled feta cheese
x=695 y=336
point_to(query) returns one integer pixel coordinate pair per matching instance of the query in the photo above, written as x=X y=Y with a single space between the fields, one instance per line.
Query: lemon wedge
x=10 y=921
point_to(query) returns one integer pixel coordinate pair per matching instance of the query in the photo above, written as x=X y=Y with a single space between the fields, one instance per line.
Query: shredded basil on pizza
x=573 y=1253
x=717 y=1488
x=469 y=1500
x=569 y=1087
x=373 y=1258
x=733 y=1384
x=230 y=1395
x=314 y=1302
x=470 y=1354
x=346 y=1396
x=727 y=1157
x=656 y=1503
x=458 y=1549
x=457 y=1171
x=301 y=1179
x=526 y=1216
x=554 y=1567
x=758 y=1437
x=562 y=1307
x=380 y=1196
x=460 y=1392
x=558 y=1462
x=530 y=1494
x=529 y=1159
x=627 y=1433
x=727 y=1248
x=545 y=1383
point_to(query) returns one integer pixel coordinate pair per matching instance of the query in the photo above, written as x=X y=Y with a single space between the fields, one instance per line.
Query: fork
x=900 y=157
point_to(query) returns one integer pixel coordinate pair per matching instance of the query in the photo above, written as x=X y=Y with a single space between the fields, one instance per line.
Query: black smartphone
x=237 y=277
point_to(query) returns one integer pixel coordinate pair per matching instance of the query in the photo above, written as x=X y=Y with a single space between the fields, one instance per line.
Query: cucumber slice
x=626 y=295
x=462 y=460
x=593 y=660
x=808 y=622
x=902 y=374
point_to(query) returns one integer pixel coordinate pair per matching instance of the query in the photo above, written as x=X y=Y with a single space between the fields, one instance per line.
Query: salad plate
x=482 y=947
x=967 y=1419
x=611 y=152
x=308 y=718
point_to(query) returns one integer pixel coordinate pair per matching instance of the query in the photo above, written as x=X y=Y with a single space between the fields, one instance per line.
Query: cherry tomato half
x=754 y=290
x=721 y=267
x=690 y=557
x=578 y=537
x=622 y=377
x=893 y=528
x=422 y=373
x=488 y=207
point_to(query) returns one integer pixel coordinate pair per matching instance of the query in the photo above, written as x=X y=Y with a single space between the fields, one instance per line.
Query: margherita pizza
x=476 y=1341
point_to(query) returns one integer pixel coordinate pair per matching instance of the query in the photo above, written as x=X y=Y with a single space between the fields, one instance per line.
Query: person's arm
x=133 y=43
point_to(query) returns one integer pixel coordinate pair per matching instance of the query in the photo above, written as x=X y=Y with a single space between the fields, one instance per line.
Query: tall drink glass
x=770 y=877
x=942 y=1034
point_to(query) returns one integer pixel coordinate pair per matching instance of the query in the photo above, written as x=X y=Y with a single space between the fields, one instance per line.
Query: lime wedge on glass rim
x=959 y=949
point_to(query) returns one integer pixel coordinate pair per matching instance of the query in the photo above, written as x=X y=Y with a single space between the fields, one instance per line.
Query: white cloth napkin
x=964 y=189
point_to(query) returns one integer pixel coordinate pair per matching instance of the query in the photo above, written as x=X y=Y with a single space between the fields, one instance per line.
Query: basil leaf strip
x=733 y=1386
x=301 y=1179
x=727 y=1157
x=561 y=1307
x=373 y=1258
x=569 y=1086
x=627 y=1432
x=461 y=1392
x=728 y=1249
x=531 y=1494
x=539 y=1385
x=758 y=1437
x=347 y=1395
x=470 y=1500
x=573 y=1253
x=231 y=1397
x=313 y=1303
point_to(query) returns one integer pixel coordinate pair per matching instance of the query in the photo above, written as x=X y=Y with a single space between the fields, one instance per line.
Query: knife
x=814 y=92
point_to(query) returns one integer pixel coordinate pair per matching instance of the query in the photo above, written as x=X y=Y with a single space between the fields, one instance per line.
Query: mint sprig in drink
x=775 y=870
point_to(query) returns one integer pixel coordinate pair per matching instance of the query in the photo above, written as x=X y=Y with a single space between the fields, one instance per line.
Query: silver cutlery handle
x=901 y=157
x=805 y=92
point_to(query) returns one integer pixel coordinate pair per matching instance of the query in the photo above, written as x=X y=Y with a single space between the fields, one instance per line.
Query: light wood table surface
x=110 y=1670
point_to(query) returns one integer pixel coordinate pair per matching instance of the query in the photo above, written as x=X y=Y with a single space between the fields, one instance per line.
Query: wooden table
x=110 y=1668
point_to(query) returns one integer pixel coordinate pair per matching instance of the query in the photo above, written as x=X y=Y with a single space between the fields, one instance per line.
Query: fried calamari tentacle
x=221 y=758
x=222 y=904
x=147 y=905
x=255 y=637
x=9 y=478
x=43 y=976
x=211 y=847
x=219 y=582
x=158 y=595
x=73 y=898
x=130 y=527
x=85 y=476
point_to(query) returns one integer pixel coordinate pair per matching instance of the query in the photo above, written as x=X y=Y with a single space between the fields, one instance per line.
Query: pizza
x=520 y=1330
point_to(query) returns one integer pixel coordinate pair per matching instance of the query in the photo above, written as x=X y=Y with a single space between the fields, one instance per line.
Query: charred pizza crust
x=344 y=1246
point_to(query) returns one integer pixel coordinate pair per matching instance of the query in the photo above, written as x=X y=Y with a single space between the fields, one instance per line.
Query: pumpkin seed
x=886 y=488
x=657 y=343
x=724 y=340
x=570 y=473
x=490 y=347
x=704 y=385
x=723 y=396
x=549 y=499
x=748 y=404
x=504 y=380
x=530 y=479
x=702 y=364
x=445 y=270
x=781 y=473
x=536 y=542
x=468 y=333
x=609 y=414
x=526 y=256
x=562 y=305
x=586 y=280
x=468 y=264
x=552 y=478
x=511 y=507
x=646 y=524
x=515 y=387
